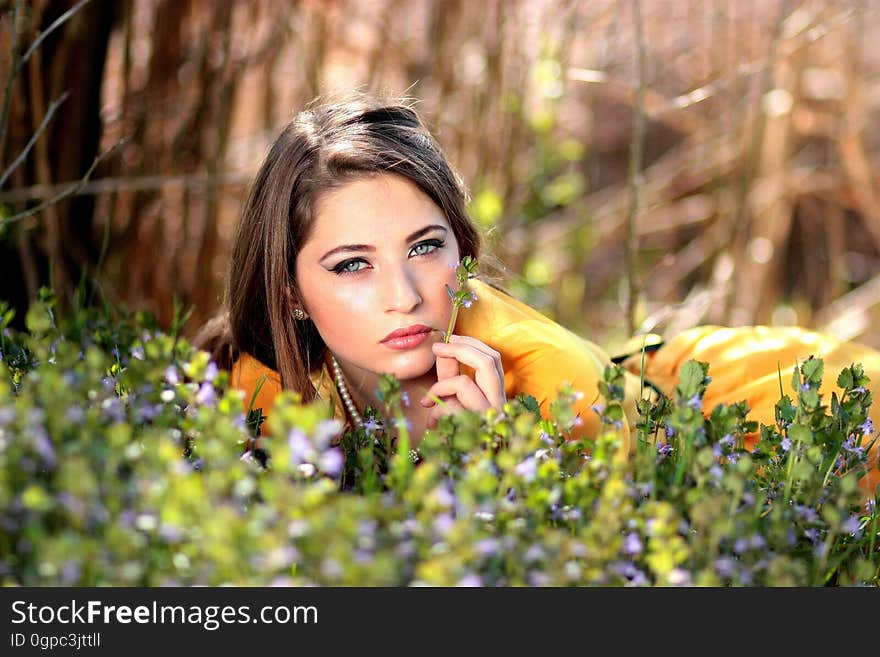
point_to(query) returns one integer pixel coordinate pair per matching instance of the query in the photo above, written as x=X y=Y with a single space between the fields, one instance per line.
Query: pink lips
x=407 y=338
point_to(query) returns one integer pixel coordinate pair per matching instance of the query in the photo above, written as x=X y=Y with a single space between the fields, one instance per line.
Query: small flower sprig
x=462 y=297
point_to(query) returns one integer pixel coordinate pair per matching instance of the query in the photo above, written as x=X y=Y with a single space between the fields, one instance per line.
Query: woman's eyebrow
x=366 y=247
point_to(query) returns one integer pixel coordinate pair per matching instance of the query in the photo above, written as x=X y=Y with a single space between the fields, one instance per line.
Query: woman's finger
x=486 y=365
x=447 y=367
x=450 y=406
x=482 y=346
x=463 y=389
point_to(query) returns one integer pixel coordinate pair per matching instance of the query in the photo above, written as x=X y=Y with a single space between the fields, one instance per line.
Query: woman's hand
x=458 y=391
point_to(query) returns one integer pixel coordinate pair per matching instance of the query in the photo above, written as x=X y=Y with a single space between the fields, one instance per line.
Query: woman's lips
x=408 y=341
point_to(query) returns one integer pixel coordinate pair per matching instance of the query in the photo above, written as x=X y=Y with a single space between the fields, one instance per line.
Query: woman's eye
x=348 y=267
x=424 y=248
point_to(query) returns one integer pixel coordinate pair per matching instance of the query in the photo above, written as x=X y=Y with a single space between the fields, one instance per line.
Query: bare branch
x=72 y=190
x=13 y=71
x=33 y=140
x=63 y=18
x=635 y=169
x=133 y=183
x=18 y=62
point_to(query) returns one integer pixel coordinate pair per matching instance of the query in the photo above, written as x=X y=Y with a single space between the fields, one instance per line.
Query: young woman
x=350 y=235
x=351 y=232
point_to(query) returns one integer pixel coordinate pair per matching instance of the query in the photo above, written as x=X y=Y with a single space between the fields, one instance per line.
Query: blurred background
x=636 y=165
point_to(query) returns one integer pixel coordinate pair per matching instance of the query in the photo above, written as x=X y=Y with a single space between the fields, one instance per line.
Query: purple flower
x=534 y=553
x=326 y=431
x=332 y=461
x=732 y=458
x=487 y=547
x=695 y=403
x=404 y=398
x=470 y=580
x=851 y=525
x=474 y=296
x=850 y=445
x=785 y=444
x=211 y=372
x=443 y=523
x=206 y=396
x=299 y=445
x=670 y=432
x=70 y=573
x=113 y=409
x=467 y=303
x=527 y=469
x=725 y=566
x=138 y=353
x=679 y=577
x=171 y=375
x=867 y=427
x=632 y=544
x=44 y=447
x=860 y=390
x=371 y=425
x=146 y=413
x=665 y=449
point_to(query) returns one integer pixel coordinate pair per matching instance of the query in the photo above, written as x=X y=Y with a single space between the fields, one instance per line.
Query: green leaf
x=800 y=433
x=813 y=369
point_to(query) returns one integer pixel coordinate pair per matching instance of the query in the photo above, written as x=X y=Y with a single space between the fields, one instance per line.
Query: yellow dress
x=745 y=364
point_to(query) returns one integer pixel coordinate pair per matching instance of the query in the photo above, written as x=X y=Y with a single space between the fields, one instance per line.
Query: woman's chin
x=413 y=368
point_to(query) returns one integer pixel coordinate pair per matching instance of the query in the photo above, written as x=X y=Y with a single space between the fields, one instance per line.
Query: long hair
x=324 y=147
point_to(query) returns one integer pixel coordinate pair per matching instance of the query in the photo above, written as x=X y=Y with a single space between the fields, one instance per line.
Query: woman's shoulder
x=498 y=317
x=259 y=382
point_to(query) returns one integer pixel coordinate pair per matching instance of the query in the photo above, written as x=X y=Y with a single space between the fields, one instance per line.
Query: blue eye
x=344 y=267
x=433 y=244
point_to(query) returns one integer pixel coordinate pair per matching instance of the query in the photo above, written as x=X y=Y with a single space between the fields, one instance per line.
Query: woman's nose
x=402 y=292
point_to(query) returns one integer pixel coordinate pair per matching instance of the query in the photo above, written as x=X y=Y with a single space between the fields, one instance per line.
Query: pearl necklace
x=414 y=454
x=343 y=392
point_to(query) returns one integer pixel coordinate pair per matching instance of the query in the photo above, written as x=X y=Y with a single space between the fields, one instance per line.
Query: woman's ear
x=293 y=302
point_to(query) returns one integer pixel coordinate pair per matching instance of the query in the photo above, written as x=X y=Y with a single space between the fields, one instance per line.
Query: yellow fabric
x=743 y=364
x=537 y=355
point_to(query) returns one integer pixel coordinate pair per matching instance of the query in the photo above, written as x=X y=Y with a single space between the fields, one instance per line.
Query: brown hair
x=324 y=147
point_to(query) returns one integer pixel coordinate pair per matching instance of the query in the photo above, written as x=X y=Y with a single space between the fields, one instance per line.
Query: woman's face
x=378 y=259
